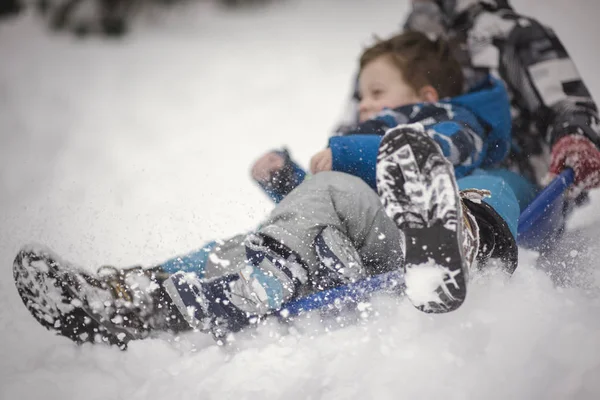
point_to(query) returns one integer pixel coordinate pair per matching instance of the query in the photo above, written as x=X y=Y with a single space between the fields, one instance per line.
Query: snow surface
x=130 y=152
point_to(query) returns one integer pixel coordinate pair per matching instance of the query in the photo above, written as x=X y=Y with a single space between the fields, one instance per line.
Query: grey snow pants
x=326 y=200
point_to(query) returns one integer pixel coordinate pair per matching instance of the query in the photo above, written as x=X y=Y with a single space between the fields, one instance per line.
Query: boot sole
x=45 y=286
x=419 y=192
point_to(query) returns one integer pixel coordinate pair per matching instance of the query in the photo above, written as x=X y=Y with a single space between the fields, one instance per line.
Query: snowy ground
x=105 y=158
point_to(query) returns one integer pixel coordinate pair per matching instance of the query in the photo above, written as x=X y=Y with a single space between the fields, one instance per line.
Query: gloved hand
x=579 y=153
x=265 y=166
x=277 y=174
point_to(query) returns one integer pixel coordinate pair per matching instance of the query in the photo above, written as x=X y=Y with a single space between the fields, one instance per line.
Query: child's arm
x=547 y=89
x=460 y=136
x=283 y=180
x=355 y=155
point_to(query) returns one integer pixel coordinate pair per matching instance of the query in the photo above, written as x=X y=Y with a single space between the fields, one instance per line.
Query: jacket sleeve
x=457 y=131
x=460 y=135
x=546 y=83
x=356 y=152
x=462 y=145
x=356 y=155
x=543 y=79
x=285 y=180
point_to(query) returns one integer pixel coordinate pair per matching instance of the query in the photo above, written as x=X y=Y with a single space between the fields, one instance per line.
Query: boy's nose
x=365 y=108
x=364 y=105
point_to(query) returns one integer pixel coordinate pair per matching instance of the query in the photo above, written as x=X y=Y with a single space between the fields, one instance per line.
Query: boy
x=333 y=229
x=407 y=79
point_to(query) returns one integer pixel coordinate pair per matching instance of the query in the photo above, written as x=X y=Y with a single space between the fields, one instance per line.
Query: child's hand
x=581 y=154
x=322 y=161
x=264 y=167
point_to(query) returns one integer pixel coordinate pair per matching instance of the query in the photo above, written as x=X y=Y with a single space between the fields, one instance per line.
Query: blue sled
x=544 y=218
x=541 y=221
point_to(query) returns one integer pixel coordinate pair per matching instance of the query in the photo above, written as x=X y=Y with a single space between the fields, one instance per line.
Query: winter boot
x=496 y=245
x=111 y=306
x=443 y=228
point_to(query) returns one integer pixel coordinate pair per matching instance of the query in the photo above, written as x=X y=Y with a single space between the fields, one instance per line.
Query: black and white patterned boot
x=418 y=189
x=112 y=306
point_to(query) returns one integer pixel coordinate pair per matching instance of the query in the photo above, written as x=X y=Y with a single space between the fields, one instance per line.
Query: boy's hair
x=421 y=61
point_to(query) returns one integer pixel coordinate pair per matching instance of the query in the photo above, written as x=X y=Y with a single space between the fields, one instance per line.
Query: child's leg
x=329 y=231
x=496 y=217
x=345 y=204
x=319 y=236
x=332 y=199
x=524 y=191
x=445 y=229
x=206 y=261
x=192 y=262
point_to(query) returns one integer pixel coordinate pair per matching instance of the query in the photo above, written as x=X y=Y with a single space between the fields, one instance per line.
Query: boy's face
x=381 y=85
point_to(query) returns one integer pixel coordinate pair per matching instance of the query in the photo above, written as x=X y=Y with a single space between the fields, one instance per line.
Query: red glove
x=579 y=153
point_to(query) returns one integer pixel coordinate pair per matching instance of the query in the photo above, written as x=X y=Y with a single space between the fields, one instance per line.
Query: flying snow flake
x=218 y=261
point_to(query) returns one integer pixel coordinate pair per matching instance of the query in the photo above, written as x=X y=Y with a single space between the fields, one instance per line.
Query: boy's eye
x=377 y=93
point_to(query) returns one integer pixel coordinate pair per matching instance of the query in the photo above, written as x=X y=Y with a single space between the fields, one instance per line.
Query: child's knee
x=338 y=179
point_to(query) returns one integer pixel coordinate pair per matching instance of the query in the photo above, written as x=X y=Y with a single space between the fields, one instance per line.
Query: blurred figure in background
x=110 y=18
x=9 y=8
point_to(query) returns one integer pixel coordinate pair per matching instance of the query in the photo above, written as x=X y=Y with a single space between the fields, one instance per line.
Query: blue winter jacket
x=473 y=131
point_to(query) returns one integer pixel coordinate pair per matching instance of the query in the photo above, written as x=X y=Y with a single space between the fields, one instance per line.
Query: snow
x=424 y=279
x=131 y=152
